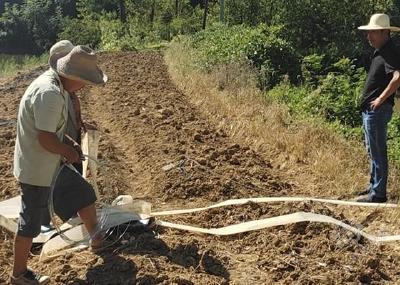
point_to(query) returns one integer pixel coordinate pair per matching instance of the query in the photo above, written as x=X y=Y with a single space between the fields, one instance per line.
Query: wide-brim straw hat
x=379 y=22
x=80 y=63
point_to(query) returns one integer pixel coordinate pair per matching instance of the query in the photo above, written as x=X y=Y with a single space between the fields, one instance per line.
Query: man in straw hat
x=377 y=102
x=44 y=119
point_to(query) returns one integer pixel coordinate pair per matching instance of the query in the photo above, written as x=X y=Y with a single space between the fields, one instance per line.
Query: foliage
x=31 y=27
x=394 y=138
x=313 y=25
x=336 y=98
x=93 y=8
x=250 y=12
x=147 y=22
x=220 y=44
x=115 y=36
x=272 y=55
x=312 y=68
x=44 y=18
x=264 y=47
x=15 y=35
x=84 y=31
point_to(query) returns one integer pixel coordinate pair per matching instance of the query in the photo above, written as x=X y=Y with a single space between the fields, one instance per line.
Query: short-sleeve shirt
x=44 y=106
x=384 y=62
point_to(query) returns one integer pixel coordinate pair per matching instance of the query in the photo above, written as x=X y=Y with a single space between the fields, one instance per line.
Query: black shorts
x=71 y=194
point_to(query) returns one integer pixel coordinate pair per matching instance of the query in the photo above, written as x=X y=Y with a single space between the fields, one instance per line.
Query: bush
x=335 y=99
x=394 y=138
x=29 y=28
x=220 y=44
x=272 y=55
x=44 y=17
x=84 y=31
x=118 y=36
x=264 y=47
x=312 y=68
x=15 y=36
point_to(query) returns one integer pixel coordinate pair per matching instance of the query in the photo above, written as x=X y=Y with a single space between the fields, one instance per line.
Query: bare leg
x=22 y=246
x=89 y=218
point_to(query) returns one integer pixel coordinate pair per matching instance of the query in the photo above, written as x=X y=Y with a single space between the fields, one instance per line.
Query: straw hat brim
x=80 y=65
x=99 y=79
x=373 y=28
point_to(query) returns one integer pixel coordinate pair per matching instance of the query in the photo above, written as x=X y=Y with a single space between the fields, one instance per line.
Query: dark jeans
x=375 y=130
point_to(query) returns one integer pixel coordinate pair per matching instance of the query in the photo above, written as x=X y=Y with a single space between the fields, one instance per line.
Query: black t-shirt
x=384 y=62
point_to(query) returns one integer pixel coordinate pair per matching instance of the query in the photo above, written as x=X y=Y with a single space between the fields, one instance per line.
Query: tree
x=205 y=14
x=122 y=10
x=15 y=35
x=68 y=8
x=44 y=18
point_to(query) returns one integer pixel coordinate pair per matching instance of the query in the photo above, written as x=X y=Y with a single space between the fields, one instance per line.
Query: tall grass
x=315 y=157
x=11 y=64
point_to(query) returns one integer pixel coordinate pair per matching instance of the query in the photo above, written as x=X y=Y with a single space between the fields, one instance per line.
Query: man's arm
x=50 y=142
x=393 y=85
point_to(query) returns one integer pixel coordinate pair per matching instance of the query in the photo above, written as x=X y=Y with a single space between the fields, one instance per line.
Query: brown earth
x=147 y=123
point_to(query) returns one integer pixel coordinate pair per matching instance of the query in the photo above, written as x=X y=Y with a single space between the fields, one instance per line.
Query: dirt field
x=147 y=123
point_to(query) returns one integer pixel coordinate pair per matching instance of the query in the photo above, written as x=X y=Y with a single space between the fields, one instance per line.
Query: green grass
x=11 y=64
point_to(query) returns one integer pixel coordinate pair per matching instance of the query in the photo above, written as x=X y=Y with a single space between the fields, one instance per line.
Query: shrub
x=312 y=68
x=15 y=36
x=118 y=36
x=84 y=31
x=264 y=47
x=336 y=97
x=394 y=138
x=31 y=27
x=272 y=55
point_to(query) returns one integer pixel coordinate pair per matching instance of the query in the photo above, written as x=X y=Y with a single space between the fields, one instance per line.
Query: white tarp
x=112 y=217
x=9 y=213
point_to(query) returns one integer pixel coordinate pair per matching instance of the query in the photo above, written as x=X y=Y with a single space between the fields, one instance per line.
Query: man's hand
x=71 y=154
x=50 y=142
x=376 y=103
x=78 y=148
x=393 y=85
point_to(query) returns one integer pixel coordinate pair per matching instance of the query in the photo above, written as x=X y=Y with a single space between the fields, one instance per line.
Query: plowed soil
x=146 y=123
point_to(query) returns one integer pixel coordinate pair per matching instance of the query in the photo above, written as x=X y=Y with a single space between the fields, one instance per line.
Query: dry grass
x=316 y=159
x=12 y=64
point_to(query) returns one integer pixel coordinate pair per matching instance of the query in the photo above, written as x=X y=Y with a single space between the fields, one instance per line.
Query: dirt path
x=146 y=123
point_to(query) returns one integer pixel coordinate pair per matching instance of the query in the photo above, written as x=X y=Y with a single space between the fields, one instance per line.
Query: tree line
x=32 y=26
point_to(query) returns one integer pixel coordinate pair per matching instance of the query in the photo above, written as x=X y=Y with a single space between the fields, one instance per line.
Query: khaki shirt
x=44 y=106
